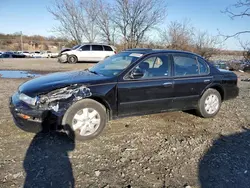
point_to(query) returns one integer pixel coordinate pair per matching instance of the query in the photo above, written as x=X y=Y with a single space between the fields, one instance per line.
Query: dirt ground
x=174 y=149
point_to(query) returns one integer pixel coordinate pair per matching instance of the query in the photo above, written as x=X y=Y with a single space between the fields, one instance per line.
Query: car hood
x=53 y=81
x=68 y=51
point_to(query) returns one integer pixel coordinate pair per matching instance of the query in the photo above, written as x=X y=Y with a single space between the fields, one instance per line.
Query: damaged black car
x=132 y=82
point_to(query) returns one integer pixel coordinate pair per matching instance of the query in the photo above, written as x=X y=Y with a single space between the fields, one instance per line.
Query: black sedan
x=133 y=82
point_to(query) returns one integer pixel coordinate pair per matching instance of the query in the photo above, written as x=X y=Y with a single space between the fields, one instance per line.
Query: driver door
x=151 y=93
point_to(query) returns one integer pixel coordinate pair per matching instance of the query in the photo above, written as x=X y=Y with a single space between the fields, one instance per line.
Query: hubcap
x=72 y=59
x=86 y=121
x=211 y=104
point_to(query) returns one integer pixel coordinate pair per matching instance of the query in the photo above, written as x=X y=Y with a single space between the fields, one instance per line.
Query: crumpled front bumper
x=63 y=58
x=19 y=110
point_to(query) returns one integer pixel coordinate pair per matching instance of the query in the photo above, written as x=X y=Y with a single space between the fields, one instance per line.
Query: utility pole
x=21 y=33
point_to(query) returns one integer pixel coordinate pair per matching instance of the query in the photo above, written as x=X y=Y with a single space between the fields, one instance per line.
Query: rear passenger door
x=191 y=77
x=98 y=53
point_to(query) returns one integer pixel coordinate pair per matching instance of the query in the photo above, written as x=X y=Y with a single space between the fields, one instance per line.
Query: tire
x=208 y=109
x=70 y=123
x=72 y=59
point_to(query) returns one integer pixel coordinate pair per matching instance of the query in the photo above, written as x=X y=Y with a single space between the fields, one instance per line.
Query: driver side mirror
x=136 y=73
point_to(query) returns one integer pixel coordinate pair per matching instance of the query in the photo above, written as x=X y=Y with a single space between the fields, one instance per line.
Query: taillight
x=115 y=52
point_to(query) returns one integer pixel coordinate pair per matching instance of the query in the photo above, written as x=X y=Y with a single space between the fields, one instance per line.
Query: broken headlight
x=27 y=99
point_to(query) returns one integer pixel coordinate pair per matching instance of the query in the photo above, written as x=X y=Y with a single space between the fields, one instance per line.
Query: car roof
x=151 y=51
x=95 y=44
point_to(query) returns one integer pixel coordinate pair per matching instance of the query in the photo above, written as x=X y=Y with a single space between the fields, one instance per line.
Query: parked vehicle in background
x=221 y=65
x=234 y=65
x=87 y=52
x=245 y=67
x=54 y=55
x=26 y=53
x=48 y=54
x=133 y=82
x=12 y=55
x=36 y=54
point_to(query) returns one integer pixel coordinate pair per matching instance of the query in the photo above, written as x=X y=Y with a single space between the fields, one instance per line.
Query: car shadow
x=191 y=112
x=227 y=162
x=88 y=62
x=47 y=162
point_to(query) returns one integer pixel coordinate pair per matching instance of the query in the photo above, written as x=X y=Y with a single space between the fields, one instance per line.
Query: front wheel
x=72 y=59
x=209 y=104
x=84 y=120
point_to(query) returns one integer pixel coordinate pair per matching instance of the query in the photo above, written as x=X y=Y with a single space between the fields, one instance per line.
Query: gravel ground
x=40 y=65
x=174 y=149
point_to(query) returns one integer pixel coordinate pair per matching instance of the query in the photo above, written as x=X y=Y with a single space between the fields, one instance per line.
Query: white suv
x=87 y=52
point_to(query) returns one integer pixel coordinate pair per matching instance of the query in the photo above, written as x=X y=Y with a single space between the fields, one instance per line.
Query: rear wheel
x=72 y=59
x=85 y=119
x=209 y=104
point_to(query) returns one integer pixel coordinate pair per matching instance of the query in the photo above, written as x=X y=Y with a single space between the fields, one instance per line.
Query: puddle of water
x=17 y=74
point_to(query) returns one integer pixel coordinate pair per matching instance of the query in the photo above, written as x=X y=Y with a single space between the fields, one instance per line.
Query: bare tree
x=178 y=35
x=134 y=18
x=205 y=44
x=246 y=50
x=88 y=18
x=77 y=18
x=183 y=36
x=240 y=9
x=67 y=13
x=104 y=22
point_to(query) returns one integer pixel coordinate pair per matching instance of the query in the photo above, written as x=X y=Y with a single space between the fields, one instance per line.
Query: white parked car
x=36 y=54
x=48 y=54
x=27 y=54
x=87 y=52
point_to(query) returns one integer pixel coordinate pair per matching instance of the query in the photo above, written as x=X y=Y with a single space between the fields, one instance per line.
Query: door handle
x=207 y=81
x=168 y=84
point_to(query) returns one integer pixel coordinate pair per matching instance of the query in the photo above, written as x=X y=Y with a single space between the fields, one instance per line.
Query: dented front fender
x=59 y=100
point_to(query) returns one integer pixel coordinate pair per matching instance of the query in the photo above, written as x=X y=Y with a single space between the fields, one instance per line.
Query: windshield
x=75 y=47
x=115 y=64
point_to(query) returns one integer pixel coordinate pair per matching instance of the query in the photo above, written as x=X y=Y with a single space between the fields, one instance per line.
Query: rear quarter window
x=107 y=48
x=203 y=66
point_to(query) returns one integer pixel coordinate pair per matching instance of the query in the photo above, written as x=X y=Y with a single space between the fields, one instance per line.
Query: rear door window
x=185 y=65
x=97 y=48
